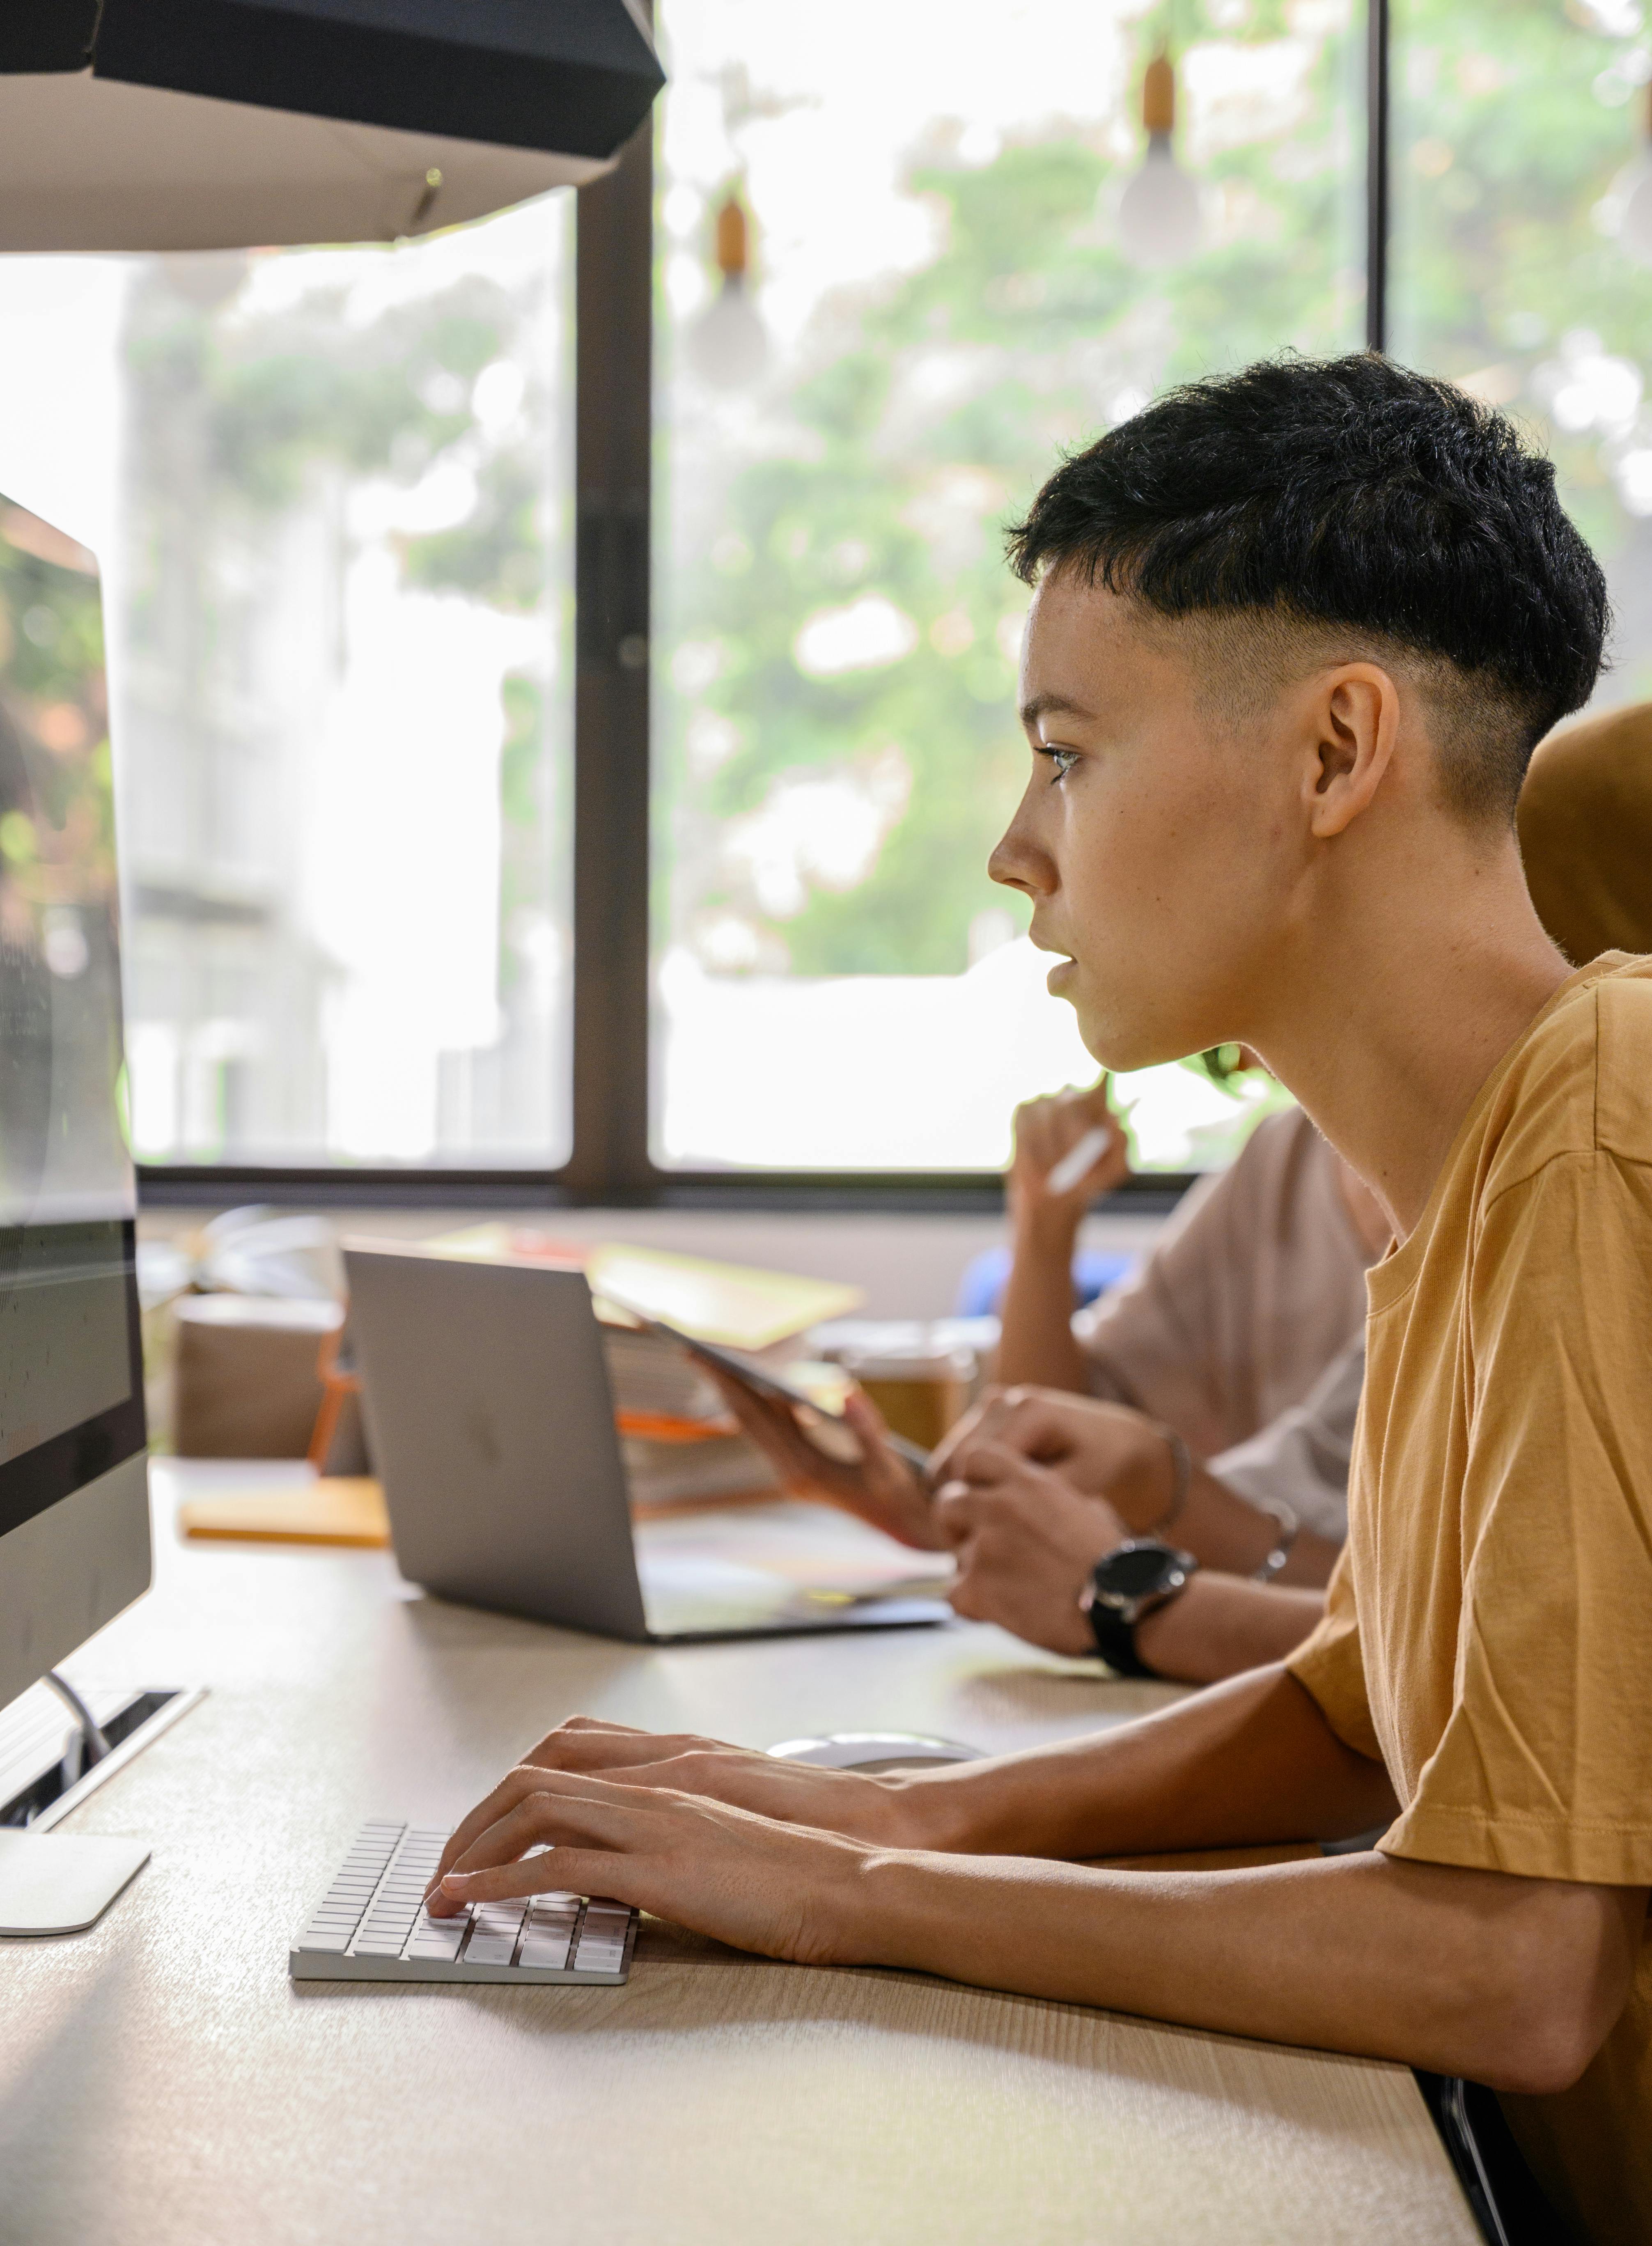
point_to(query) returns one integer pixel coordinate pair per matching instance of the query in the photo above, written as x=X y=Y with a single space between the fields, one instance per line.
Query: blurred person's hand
x=1046 y=1130
x=1026 y=1542
x=1097 y=1449
x=858 y=1470
x=1114 y=1452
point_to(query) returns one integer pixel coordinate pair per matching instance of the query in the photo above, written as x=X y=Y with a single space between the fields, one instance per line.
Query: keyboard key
x=606 y=1959
x=436 y=1938
x=545 y=1950
x=597 y=1956
x=550 y=1932
x=490 y=1949
x=494 y=1936
x=602 y=1930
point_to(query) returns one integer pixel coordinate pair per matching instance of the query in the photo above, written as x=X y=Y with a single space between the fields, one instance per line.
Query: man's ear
x=1357 y=718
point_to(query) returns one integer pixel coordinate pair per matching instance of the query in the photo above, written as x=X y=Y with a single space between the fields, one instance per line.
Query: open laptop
x=491 y=1421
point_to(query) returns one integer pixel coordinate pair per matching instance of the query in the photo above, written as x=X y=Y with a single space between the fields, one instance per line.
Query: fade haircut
x=1375 y=510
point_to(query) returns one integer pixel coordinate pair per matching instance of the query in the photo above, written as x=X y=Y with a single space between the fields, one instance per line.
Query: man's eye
x=1063 y=761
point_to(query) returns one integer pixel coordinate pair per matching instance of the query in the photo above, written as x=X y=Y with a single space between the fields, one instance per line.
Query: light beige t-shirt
x=1255 y=1287
x=1488 y=1630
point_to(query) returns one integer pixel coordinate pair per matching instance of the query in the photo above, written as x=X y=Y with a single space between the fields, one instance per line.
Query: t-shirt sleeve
x=1545 y=1764
x=1328 y=1666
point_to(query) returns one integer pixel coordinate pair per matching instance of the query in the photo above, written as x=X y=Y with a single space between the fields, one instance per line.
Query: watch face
x=1132 y=1573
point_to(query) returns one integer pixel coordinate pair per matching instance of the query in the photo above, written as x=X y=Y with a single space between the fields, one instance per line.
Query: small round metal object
x=874 y=1752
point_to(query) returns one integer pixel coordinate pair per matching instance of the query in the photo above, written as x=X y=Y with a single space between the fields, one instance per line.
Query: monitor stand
x=60 y=1882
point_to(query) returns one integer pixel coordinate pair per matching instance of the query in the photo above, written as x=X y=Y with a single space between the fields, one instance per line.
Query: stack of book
x=681 y=1446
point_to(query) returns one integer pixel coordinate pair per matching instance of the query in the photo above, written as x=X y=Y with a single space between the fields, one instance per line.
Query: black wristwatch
x=1132 y=1583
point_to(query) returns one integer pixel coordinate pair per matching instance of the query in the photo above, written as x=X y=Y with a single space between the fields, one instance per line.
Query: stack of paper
x=653 y=1379
x=700 y=1473
x=680 y=1445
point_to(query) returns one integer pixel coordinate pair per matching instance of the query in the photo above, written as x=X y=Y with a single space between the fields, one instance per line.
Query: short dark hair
x=1349 y=495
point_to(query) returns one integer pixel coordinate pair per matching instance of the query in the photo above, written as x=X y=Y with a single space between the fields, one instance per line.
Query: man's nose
x=1017 y=863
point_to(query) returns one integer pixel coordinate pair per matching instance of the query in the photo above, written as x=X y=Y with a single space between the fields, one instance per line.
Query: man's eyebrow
x=1042 y=705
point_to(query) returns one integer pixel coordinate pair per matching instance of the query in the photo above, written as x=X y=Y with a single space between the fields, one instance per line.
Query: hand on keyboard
x=784 y=1890
x=864 y=1809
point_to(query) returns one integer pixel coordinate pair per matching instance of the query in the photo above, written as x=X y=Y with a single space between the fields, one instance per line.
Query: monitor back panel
x=491 y=1422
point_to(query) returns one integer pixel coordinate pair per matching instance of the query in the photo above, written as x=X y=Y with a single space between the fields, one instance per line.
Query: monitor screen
x=70 y=1378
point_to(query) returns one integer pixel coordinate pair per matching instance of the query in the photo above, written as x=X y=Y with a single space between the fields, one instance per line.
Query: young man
x=1293 y=637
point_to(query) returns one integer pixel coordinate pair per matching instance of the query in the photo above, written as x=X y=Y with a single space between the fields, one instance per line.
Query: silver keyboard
x=371 y=1925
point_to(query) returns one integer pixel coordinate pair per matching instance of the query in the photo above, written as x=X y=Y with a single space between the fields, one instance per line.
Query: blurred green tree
x=948 y=403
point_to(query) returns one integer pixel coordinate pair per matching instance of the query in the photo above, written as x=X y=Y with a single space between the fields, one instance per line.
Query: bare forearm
x=1222 y=1625
x=1036 y=1345
x=1225 y=1530
x=1249 y=1761
x=1423 y=1963
x=1514 y=1981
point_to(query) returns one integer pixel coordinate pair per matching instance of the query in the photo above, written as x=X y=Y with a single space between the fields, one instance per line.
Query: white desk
x=163 y=2083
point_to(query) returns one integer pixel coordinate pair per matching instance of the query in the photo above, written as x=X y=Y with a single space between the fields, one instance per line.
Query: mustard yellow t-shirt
x=1488 y=1632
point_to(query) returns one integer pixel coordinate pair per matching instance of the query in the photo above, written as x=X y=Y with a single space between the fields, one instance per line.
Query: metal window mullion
x=613 y=417
x=1378 y=57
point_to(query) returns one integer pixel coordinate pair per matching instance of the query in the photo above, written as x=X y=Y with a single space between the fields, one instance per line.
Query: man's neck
x=1387 y=1048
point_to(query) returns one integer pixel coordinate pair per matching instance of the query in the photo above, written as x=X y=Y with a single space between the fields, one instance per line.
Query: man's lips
x=1064 y=968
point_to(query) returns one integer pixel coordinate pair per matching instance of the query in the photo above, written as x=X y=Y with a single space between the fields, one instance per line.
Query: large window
x=563 y=669
x=937 y=302
x=1520 y=128
x=336 y=521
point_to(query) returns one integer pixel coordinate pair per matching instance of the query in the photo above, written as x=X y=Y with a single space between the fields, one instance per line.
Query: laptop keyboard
x=371 y=1925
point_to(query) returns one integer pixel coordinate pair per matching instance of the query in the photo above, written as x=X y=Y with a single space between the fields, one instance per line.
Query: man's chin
x=1119 y=1047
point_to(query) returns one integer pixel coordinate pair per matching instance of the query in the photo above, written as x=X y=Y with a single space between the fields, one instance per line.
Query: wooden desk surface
x=163 y=2083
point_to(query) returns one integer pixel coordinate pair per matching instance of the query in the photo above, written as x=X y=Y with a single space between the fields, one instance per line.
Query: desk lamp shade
x=146 y=124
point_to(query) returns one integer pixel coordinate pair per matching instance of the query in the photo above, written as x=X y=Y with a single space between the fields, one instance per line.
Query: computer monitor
x=74 y=1514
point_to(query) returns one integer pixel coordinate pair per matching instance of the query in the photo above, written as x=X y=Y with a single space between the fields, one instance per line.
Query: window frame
x=610 y=1164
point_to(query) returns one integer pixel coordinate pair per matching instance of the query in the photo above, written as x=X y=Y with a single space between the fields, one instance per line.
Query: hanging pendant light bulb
x=1632 y=194
x=728 y=343
x=1158 y=215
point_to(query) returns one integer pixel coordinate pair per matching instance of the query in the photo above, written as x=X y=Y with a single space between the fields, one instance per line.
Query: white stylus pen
x=1078 y=1159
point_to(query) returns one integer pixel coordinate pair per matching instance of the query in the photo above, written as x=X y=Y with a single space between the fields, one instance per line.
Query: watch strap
x=1114 y=1623
x=1116 y=1641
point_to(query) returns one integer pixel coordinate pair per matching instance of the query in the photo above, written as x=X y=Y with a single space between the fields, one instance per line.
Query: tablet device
x=761 y=1381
